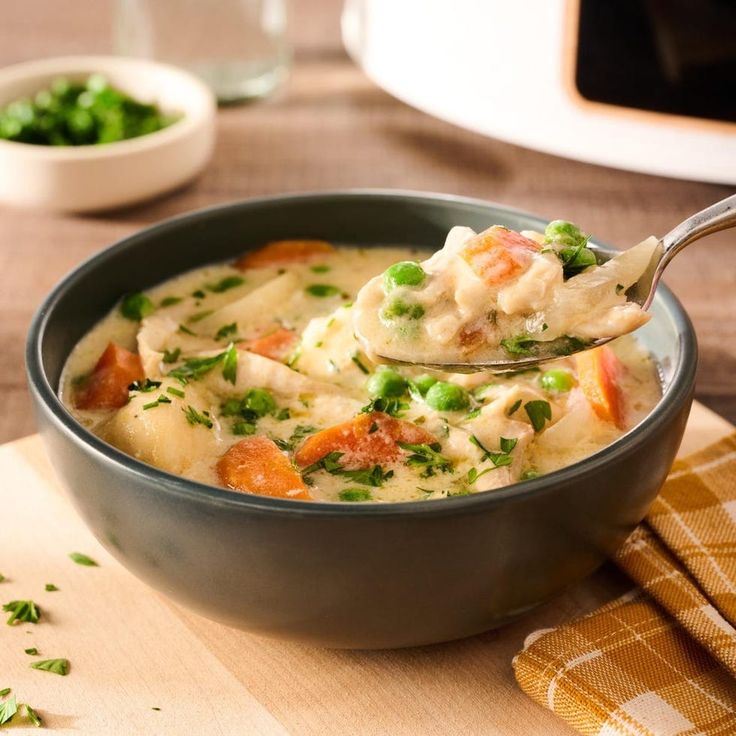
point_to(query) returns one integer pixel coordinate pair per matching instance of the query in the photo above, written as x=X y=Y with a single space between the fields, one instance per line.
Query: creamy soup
x=249 y=376
x=497 y=294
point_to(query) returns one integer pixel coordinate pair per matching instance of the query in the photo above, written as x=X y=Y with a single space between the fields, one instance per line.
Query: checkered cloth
x=661 y=660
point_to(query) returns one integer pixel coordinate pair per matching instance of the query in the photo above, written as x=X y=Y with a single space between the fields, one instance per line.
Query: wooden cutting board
x=142 y=665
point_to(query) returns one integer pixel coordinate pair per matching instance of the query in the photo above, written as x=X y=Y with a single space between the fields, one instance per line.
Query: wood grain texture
x=330 y=127
x=131 y=650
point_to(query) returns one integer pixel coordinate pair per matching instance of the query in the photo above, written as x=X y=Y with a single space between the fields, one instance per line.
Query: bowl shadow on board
x=344 y=575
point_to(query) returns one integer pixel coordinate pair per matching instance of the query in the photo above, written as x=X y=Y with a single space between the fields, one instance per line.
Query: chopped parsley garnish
x=283 y=414
x=567 y=344
x=427 y=458
x=374 y=476
x=194 y=417
x=32 y=651
x=322 y=290
x=169 y=301
x=82 y=559
x=529 y=474
x=394 y=407
x=199 y=294
x=230 y=364
x=5 y=691
x=229 y=282
x=57 y=666
x=186 y=330
x=361 y=365
x=226 y=330
x=355 y=494
x=473 y=414
x=620 y=288
x=513 y=408
x=50 y=587
x=2 y=577
x=518 y=345
x=499 y=459
x=145 y=386
x=175 y=392
x=200 y=316
x=136 y=306
x=319 y=268
x=171 y=356
x=195 y=368
x=22 y=612
x=153 y=404
x=301 y=431
x=538 y=412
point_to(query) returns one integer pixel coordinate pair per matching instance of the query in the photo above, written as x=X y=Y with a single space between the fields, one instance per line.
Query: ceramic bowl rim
x=669 y=405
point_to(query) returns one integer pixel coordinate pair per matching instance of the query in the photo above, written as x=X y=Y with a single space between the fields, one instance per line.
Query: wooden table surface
x=329 y=128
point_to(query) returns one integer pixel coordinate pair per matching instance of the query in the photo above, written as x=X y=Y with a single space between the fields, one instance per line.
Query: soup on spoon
x=499 y=296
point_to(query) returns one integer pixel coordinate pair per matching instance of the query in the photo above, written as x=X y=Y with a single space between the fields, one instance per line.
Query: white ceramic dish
x=88 y=178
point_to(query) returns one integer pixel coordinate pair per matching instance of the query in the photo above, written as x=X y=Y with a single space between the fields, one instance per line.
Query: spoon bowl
x=719 y=216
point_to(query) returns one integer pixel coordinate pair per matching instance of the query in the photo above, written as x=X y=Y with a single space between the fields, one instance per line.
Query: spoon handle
x=719 y=216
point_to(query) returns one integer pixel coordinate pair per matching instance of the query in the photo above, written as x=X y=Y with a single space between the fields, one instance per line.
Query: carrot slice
x=366 y=440
x=599 y=370
x=256 y=465
x=278 y=345
x=498 y=254
x=280 y=252
x=107 y=385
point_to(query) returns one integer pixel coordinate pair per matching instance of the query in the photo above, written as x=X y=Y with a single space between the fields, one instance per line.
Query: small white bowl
x=96 y=177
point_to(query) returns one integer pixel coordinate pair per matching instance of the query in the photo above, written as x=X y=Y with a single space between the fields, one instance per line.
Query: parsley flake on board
x=229 y=282
x=82 y=559
x=22 y=612
x=427 y=458
x=33 y=717
x=57 y=666
x=50 y=587
x=539 y=412
x=32 y=651
x=8 y=709
x=2 y=577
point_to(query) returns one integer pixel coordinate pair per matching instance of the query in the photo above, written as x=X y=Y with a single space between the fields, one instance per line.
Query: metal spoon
x=719 y=216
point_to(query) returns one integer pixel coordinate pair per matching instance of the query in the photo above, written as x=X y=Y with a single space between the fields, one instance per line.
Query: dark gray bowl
x=344 y=575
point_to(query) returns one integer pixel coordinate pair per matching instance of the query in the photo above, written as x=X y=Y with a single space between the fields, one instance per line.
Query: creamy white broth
x=494 y=295
x=322 y=383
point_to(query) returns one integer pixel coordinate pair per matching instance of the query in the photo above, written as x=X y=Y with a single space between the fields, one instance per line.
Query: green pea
x=136 y=306
x=444 y=396
x=404 y=273
x=386 y=383
x=556 y=380
x=259 y=401
x=424 y=382
x=355 y=494
x=399 y=308
x=564 y=233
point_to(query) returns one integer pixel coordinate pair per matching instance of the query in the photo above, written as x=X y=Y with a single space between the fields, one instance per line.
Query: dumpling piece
x=491 y=296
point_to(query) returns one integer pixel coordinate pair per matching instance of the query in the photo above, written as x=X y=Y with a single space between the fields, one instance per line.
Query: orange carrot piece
x=498 y=254
x=255 y=465
x=107 y=385
x=599 y=370
x=366 y=440
x=277 y=345
x=281 y=252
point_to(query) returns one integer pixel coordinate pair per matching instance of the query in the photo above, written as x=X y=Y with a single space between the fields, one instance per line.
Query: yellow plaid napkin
x=661 y=660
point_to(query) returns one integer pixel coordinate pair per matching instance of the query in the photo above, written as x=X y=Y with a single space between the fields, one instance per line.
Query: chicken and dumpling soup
x=249 y=376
